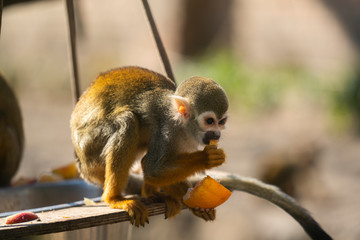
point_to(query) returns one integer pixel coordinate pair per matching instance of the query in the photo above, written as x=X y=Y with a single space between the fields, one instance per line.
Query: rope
x=72 y=34
x=159 y=44
x=1 y=10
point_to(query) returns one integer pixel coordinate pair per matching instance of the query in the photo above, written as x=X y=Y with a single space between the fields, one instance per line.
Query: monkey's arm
x=174 y=168
x=259 y=189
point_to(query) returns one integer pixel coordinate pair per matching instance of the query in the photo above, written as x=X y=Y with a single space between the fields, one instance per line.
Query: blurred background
x=290 y=68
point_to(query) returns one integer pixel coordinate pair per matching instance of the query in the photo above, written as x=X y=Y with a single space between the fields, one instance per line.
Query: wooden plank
x=72 y=218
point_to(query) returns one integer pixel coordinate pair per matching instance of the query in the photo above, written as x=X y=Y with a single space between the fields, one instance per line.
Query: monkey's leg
x=167 y=195
x=179 y=190
x=149 y=190
x=173 y=195
x=120 y=153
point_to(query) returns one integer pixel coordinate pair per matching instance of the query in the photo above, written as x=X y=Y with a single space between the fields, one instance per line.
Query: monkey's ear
x=181 y=106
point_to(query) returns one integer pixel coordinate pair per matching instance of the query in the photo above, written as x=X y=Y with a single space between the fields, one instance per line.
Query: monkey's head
x=201 y=104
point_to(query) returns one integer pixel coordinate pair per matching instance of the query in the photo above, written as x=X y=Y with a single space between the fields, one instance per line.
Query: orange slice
x=213 y=142
x=208 y=193
x=66 y=172
x=49 y=177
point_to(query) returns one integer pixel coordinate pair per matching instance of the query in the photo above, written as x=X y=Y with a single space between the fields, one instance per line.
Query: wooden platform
x=72 y=218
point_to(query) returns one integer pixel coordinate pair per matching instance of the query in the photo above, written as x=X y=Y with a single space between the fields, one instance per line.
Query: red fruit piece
x=21 y=217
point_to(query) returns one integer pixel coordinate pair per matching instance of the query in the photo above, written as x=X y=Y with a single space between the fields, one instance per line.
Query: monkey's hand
x=137 y=212
x=206 y=214
x=214 y=156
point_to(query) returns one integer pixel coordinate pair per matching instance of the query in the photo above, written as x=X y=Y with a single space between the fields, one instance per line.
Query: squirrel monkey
x=11 y=133
x=133 y=112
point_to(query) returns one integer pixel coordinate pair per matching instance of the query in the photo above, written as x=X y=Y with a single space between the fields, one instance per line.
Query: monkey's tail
x=277 y=197
x=257 y=188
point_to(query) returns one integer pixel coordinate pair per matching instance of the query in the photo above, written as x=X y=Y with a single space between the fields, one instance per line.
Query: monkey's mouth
x=211 y=135
x=206 y=141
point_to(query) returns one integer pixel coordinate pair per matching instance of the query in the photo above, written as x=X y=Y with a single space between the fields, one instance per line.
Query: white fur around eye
x=222 y=122
x=202 y=121
x=215 y=126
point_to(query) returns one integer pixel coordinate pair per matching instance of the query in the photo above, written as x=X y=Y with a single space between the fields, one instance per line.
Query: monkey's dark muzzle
x=211 y=135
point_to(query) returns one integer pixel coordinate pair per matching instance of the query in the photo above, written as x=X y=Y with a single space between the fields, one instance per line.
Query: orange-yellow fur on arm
x=186 y=164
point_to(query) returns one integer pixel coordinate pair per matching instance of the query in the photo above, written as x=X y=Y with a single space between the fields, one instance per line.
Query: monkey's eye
x=210 y=121
x=222 y=121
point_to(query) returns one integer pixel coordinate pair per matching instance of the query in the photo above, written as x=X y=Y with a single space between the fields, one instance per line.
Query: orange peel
x=207 y=194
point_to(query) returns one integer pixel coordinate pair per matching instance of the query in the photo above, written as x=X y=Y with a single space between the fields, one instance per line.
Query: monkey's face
x=201 y=104
x=210 y=126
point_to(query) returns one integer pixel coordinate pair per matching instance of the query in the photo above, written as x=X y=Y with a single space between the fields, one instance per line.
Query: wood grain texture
x=71 y=219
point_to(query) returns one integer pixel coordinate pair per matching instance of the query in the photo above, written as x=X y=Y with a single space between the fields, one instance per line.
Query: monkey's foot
x=173 y=205
x=206 y=214
x=137 y=211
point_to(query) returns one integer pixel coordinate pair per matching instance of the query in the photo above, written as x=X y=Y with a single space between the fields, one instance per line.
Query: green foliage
x=266 y=89
x=345 y=103
x=253 y=89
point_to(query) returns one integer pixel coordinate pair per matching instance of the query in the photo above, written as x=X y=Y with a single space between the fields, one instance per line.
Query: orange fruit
x=66 y=172
x=208 y=193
